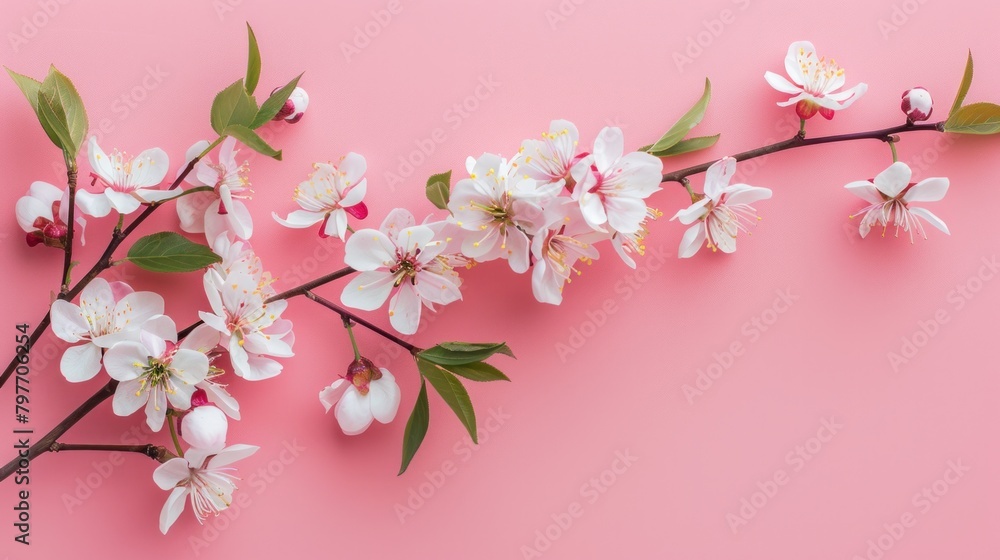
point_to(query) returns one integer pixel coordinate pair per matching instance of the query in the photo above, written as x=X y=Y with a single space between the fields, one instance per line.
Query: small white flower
x=43 y=213
x=222 y=209
x=154 y=371
x=365 y=394
x=611 y=186
x=889 y=196
x=203 y=475
x=328 y=195
x=557 y=247
x=108 y=313
x=816 y=81
x=722 y=213
x=398 y=260
x=550 y=159
x=128 y=182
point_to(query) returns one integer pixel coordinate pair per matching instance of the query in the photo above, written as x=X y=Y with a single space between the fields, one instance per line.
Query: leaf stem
x=350 y=333
x=173 y=434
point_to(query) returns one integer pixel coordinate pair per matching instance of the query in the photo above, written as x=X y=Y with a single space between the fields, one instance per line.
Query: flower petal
x=384 y=395
x=173 y=507
x=353 y=412
x=608 y=148
x=329 y=396
x=928 y=190
x=693 y=239
x=930 y=218
x=865 y=190
x=894 y=179
x=80 y=363
x=718 y=176
x=781 y=84
x=368 y=290
x=370 y=249
x=404 y=309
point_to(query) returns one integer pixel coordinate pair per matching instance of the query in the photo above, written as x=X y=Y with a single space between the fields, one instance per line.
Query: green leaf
x=689 y=145
x=439 y=189
x=253 y=62
x=458 y=353
x=170 y=252
x=416 y=427
x=274 y=103
x=252 y=140
x=477 y=371
x=29 y=87
x=64 y=110
x=978 y=118
x=453 y=393
x=686 y=123
x=963 y=89
x=233 y=105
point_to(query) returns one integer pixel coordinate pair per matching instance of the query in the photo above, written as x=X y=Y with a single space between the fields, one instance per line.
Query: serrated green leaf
x=59 y=89
x=233 y=105
x=170 y=252
x=978 y=118
x=458 y=353
x=688 y=145
x=274 y=103
x=53 y=121
x=477 y=371
x=453 y=393
x=252 y=140
x=685 y=123
x=416 y=427
x=439 y=189
x=28 y=86
x=963 y=88
x=253 y=62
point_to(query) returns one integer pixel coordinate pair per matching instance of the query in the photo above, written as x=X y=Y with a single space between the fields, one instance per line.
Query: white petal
x=173 y=507
x=81 y=363
x=68 y=322
x=353 y=166
x=608 y=148
x=99 y=161
x=792 y=66
x=27 y=209
x=232 y=454
x=694 y=212
x=517 y=251
x=191 y=211
x=894 y=179
x=353 y=412
x=625 y=214
x=203 y=338
x=355 y=195
x=190 y=366
x=169 y=474
x=370 y=249
x=745 y=194
x=404 y=309
x=593 y=210
x=865 y=190
x=928 y=190
x=240 y=220
x=931 y=218
x=150 y=167
x=299 y=219
x=718 y=176
x=368 y=290
x=331 y=395
x=123 y=203
x=129 y=397
x=126 y=360
x=781 y=84
x=412 y=238
x=692 y=241
x=384 y=396
x=545 y=286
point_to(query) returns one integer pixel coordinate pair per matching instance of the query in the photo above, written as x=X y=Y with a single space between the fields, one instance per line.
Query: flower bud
x=361 y=373
x=205 y=427
x=294 y=107
x=917 y=104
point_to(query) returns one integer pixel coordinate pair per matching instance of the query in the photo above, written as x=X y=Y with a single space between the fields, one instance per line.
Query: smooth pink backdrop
x=620 y=388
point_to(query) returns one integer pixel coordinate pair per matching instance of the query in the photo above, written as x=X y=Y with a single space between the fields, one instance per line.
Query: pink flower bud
x=205 y=427
x=917 y=104
x=294 y=107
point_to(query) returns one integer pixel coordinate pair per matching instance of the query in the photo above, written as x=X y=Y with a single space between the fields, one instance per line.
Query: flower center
x=818 y=73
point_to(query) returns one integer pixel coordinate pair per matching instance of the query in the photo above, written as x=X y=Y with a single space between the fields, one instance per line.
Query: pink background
x=620 y=388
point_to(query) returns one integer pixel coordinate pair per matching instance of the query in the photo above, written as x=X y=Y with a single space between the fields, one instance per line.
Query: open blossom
x=328 y=195
x=721 y=213
x=499 y=208
x=128 y=182
x=629 y=244
x=153 y=371
x=550 y=159
x=251 y=329
x=221 y=209
x=202 y=475
x=399 y=259
x=205 y=339
x=108 y=313
x=816 y=81
x=43 y=213
x=611 y=186
x=557 y=247
x=365 y=394
x=889 y=196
